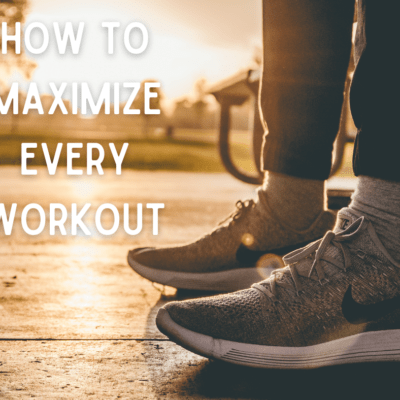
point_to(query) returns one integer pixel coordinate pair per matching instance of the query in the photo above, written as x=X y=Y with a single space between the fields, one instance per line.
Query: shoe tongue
x=344 y=219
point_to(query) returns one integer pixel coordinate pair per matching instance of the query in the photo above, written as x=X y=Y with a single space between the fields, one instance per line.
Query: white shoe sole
x=363 y=347
x=223 y=281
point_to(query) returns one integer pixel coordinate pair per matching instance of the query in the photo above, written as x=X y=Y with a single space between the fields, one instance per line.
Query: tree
x=201 y=105
x=11 y=12
x=155 y=103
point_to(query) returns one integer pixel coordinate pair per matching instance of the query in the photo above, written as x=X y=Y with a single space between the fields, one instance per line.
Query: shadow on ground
x=198 y=377
x=222 y=380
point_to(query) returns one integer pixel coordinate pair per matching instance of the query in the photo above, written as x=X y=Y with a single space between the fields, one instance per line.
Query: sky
x=187 y=40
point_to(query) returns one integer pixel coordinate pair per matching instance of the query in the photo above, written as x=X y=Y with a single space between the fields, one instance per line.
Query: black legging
x=307 y=46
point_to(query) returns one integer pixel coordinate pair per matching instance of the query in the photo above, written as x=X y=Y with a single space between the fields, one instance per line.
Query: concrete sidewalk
x=77 y=322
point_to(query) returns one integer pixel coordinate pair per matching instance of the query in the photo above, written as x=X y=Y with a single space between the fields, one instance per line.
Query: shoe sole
x=363 y=347
x=223 y=281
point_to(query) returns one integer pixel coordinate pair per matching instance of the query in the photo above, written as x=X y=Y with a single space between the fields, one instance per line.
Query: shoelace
x=319 y=247
x=241 y=207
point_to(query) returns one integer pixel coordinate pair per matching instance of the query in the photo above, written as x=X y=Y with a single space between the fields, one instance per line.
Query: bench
x=243 y=87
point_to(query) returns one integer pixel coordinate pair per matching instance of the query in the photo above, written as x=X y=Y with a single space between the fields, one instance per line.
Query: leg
x=302 y=106
x=306 y=55
x=374 y=95
x=374 y=104
x=338 y=299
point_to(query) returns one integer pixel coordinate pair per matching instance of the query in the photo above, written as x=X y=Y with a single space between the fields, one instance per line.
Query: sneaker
x=337 y=301
x=242 y=250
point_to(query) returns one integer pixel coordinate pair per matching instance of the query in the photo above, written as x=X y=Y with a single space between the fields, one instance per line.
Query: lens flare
x=268 y=263
x=247 y=239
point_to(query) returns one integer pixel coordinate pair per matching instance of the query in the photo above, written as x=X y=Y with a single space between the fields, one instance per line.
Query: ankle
x=296 y=202
x=379 y=201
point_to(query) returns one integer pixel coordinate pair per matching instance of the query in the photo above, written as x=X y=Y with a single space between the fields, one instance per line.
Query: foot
x=241 y=251
x=337 y=301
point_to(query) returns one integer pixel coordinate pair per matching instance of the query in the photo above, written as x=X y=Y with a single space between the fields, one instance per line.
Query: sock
x=296 y=202
x=379 y=201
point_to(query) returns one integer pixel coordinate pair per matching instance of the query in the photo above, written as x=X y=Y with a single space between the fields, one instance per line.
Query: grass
x=143 y=153
x=191 y=150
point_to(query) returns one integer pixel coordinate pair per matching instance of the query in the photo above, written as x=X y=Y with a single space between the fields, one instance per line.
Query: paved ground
x=77 y=322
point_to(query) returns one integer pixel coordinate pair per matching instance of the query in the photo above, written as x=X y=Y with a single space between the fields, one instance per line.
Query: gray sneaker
x=241 y=251
x=337 y=301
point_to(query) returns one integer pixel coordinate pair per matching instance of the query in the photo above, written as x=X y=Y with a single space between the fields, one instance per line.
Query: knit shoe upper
x=341 y=285
x=252 y=227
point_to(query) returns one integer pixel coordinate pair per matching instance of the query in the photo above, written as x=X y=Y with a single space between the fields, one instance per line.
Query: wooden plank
x=82 y=287
x=163 y=370
x=95 y=369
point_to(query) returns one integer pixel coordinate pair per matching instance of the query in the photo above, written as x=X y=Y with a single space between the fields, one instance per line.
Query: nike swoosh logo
x=357 y=313
x=249 y=257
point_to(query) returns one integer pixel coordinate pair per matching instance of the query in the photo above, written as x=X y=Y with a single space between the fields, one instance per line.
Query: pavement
x=77 y=322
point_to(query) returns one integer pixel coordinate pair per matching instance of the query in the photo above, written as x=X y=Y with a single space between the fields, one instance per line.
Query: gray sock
x=379 y=201
x=296 y=202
